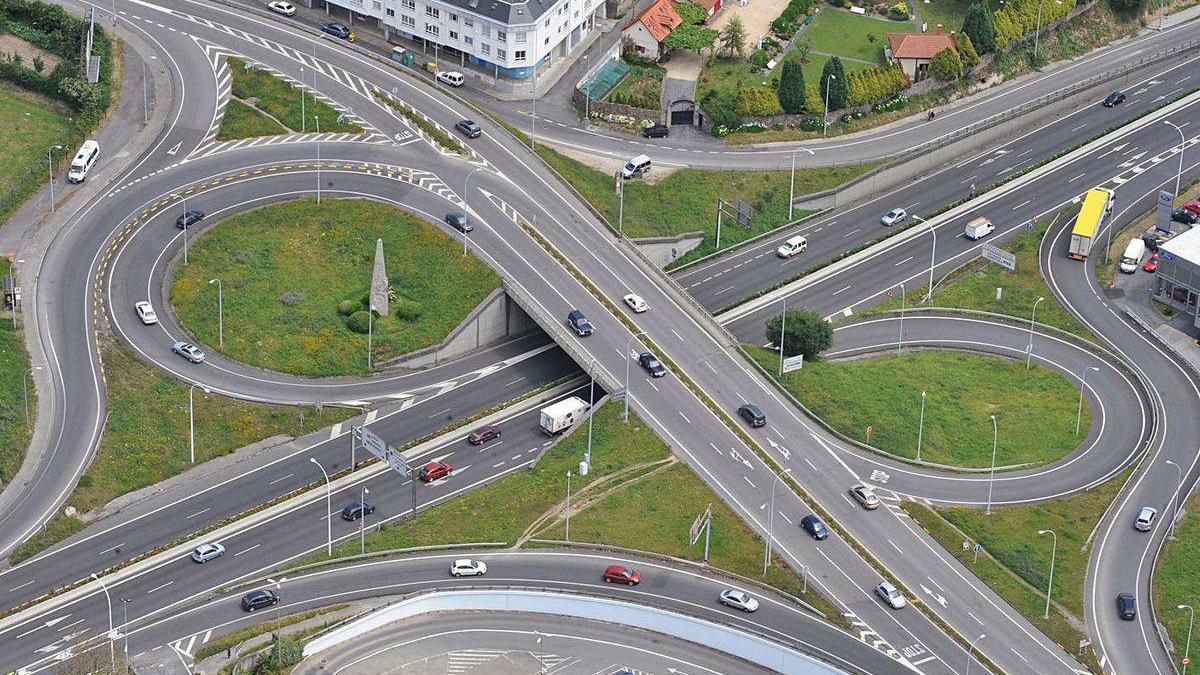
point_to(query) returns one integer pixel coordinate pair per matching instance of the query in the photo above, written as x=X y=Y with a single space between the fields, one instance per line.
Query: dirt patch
x=10 y=44
x=611 y=165
x=756 y=16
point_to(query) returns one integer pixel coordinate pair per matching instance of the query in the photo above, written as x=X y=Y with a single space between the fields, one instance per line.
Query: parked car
x=865 y=496
x=1193 y=206
x=890 y=594
x=339 y=30
x=459 y=221
x=1151 y=264
x=652 y=365
x=792 y=247
x=145 y=312
x=622 y=575
x=1185 y=216
x=657 y=131
x=579 y=323
x=739 y=600
x=1145 y=519
x=190 y=217
x=468 y=568
x=483 y=435
x=451 y=77
x=1152 y=241
x=636 y=303
x=468 y=128
x=284 y=8
x=355 y=510
x=259 y=599
x=188 y=351
x=753 y=415
x=206 y=552
x=813 y=525
x=893 y=217
x=1114 y=99
x=435 y=470
x=1127 y=606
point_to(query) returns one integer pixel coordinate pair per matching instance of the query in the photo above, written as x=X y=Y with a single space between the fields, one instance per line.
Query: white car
x=891 y=595
x=793 y=246
x=893 y=217
x=636 y=303
x=145 y=312
x=284 y=8
x=1145 y=519
x=739 y=600
x=206 y=552
x=468 y=568
x=451 y=77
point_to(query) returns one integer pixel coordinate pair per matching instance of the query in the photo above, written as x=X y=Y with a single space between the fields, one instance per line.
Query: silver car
x=891 y=595
x=894 y=217
x=739 y=600
x=1145 y=519
x=206 y=552
x=865 y=496
x=188 y=351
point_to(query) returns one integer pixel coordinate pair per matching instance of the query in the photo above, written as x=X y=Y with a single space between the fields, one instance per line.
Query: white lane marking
x=678 y=335
x=204 y=510
x=1022 y=204
x=246 y=550
x=1072 y=180
x=748 y=481
x=927 y=659
x=371 y=414
x=335 y=431
x=439 y=413
x=685 y=419
x=159 y=588
x=17 y=588
x=840 y=290
x=519 y=379
x=903 y=261
x=723 y=290
x=281 y=478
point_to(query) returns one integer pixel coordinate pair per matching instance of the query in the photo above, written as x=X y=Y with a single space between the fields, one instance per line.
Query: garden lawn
x=1175 y=578
x=948 y=13
x=286 y=267
x=145 y=439
x=243 y=121
x=14 y=363
x=641 y=87
x=816 y=63
x=28 y=125
x=836 y=31
x=725 y=75
x=1035 y=409
x=281 y=100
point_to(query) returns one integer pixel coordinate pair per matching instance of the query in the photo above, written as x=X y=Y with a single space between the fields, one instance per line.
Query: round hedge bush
x=346 y=307
x=408 y=310
x=359 y=322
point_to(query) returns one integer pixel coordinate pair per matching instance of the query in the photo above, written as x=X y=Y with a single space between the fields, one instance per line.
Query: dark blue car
x=815 y=527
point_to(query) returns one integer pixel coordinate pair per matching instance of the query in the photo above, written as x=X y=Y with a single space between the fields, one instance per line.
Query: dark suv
x=357 y=510
x=579 y=323
x=652 y=365
x=815 y=527
x=753 y=415
x=189 y=218
x=259 y=599
x=338 y=30
x=1114 y=99
x=657 y=131
x=468 y=128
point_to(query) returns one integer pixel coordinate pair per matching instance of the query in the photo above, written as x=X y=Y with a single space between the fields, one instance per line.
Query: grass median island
x=244 y=121
x=14 y=364
x=1015 y=560
x=1035 y=409
x=287 y=268
x=262 y=92
x=146 y=438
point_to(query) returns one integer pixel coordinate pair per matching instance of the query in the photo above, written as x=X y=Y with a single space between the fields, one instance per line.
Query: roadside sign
x=396 y=460
x=371 y=441
x=698 y=525
x=999 y=256
x=870 y=430
x=793 y=363
x=1166 y=202
x=1029 y=226
x=1186 y=660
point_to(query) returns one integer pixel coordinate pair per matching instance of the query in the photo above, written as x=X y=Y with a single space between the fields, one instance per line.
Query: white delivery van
x=451 y=77
x=638 y=166
x=1132 y=257
x=558 y=417
x=793 y=246
x=88 y=153
x=978 y=228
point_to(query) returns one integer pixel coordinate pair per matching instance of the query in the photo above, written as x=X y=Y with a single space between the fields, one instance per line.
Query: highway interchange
x=134 y=223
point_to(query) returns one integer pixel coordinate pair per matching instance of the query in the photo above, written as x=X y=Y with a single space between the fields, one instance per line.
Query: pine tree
x=980 y=25
x=791 y=87
x=733 y=38
x=834 y=84
x=813 y=103
x=946 y=65
x=966 y=50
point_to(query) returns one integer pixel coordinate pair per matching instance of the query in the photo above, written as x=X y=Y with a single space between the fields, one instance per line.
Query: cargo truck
x=558 y=417
x=1097 y=204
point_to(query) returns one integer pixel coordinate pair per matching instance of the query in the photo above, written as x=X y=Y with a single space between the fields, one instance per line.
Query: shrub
x=722 y=109
x=347 y=307
x=359 y=322
x=758 y=101
x=408 y=310
x=791 y=87
x=946 y=65
x=810 y=124
x=898 y=11
x=981 y=26
x=966 y=50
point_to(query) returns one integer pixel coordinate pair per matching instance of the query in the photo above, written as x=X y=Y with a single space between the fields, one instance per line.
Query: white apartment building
x=507 y=38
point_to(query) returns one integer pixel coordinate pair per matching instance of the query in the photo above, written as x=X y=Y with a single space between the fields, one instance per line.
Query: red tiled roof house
x=913 y=51
x=647 y=30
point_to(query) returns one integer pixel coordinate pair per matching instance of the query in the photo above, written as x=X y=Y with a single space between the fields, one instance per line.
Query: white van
x=793 y=246
x=978 y=228
x=88 y=153
x=451 y=77
x=638 y=166
x=1132 y=257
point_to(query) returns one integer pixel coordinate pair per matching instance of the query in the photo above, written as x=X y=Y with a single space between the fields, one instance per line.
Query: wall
x=663 y=251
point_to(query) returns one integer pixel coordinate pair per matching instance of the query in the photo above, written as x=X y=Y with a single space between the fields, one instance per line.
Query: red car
x=1151 y=264
x=481 y=436
x=435 y=470
x=1193 y=206
x=622 y=575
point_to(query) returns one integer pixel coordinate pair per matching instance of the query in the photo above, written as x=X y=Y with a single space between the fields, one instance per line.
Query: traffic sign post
x=702 y=522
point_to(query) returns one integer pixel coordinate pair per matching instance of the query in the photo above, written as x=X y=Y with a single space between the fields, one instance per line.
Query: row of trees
x=858 y=88
x=992 y=31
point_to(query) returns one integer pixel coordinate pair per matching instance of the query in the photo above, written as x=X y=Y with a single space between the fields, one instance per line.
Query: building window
x=468 y=40
x=520 y=38
x=501 y=54
x=501 y=36
x=485 y=48
x=408 y=4
x=563 y=28
x=519 y=55
x=468 y=21
x=546 y=41
x=406 y=20
x=453 y=35
x=431 y=29
x=431 y=12
x=453 y=16
x=487 y=31
x=547 y=25
x=391 y=12
x=378 y=5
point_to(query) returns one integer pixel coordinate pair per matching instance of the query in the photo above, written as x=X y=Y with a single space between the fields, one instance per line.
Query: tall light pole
x=921 y=427
x=370 y=331
x=220 y=311
x=466 y=181
x=1187 y=651
x=1038 y=33
x=970 y=649
x=628 y=358
x=932 y=256
x=112 y=652
x=278 y=588
x=125 y=628
x=992 y=479
x=362 y=522
x=825 y=116
x=25 y=390
x=782 y=326
x=1053 y=553
x=771 y=521
x=12 y=282
x=186 y=225
x=1175 y=511
x=318 y=120
x=1032 y=319
x=792 y=183
x=328 y=507
x=303 y=115
x=192 y=417
x=900 y=340
x=568 y=506
x=1182 y=145
x=587 y=455
x=1082 y=385
x=50 y=161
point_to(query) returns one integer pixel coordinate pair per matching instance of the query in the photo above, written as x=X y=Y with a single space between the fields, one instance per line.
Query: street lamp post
x=628 y=358
x=932 y=256
x=1082 y=385
x=921 y=427
x=328 y=507
x=50 y=161
x=1038 y=33
x=900 y=340
x=568 y=506
x=25 y=391
x=12 y=282
x=1053 y=553
x=825 y=115
x=1029 y=348
x=792 y=183
x=587 y=455
x=278 y=587
x=1182 y=145
x=220 y=311
x=112 y=655
x=771 y=521
x=992 y=479
x=125 y=628
x=1175 y=511
x=1187 y=651
x=192 y=417
x=362 y=522
x=186 y=225
x=318 y=121
x=970 y=649
x=370 y=331
x=303 y=114
x=782 y=325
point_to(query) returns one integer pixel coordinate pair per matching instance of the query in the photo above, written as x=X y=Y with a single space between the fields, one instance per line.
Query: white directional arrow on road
x=1133 y=160
x=941 y=600
x=51 y=622
x=787 y=454
x=737 y=457
x=1115 y=148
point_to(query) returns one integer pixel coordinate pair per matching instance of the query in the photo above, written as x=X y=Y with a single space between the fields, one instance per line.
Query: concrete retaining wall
x=663 y=251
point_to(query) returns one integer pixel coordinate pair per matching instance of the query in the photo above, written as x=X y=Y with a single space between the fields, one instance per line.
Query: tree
x=691 y=37
x=691 y=14
x=813 y=103
x=966 y=49
x=802 y=49
x=733 y=38
x=834 y=84
x=1129 y=7
x=980 y=25
x=946 y=65
x=804 y=332
x=758 y=101
x=791 y=87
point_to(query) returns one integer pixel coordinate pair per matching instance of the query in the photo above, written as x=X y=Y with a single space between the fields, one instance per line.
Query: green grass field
x=1175 y=579
x=31 y=124
x=285 y=268
x=282 y=101
x=14 y=363
x=836 y=31
x=725 y=75
x=1035 y=410
x=243 y=121
x=641 y=87
x=816 y=64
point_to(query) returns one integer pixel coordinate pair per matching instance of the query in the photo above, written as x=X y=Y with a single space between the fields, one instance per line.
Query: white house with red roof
x=648 y=29
x=913 y=51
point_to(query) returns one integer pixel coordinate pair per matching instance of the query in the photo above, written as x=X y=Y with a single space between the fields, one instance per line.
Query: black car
x=1151 y=241
x=753 y=415
x=1184 y=216
x=189 y=218
x=337 y=30
x=259 y=599
x=356 y=510
x=579 y=323
x=652 y=365
x=657 y=131
x=459 y=221
x=469 y=128
x=1114 y=99
x=815 y=527
x=1127 y=606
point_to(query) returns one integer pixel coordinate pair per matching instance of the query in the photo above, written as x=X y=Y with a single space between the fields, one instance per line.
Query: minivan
x=451 y=77
x=1132 y=257
x=978 y=228
x=84 y=159
x=638 y=166
x=793 y=246
x=753 y=415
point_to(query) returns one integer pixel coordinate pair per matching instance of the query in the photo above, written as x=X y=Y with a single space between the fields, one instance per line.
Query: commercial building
x=505 y=38
x=1177 y=281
